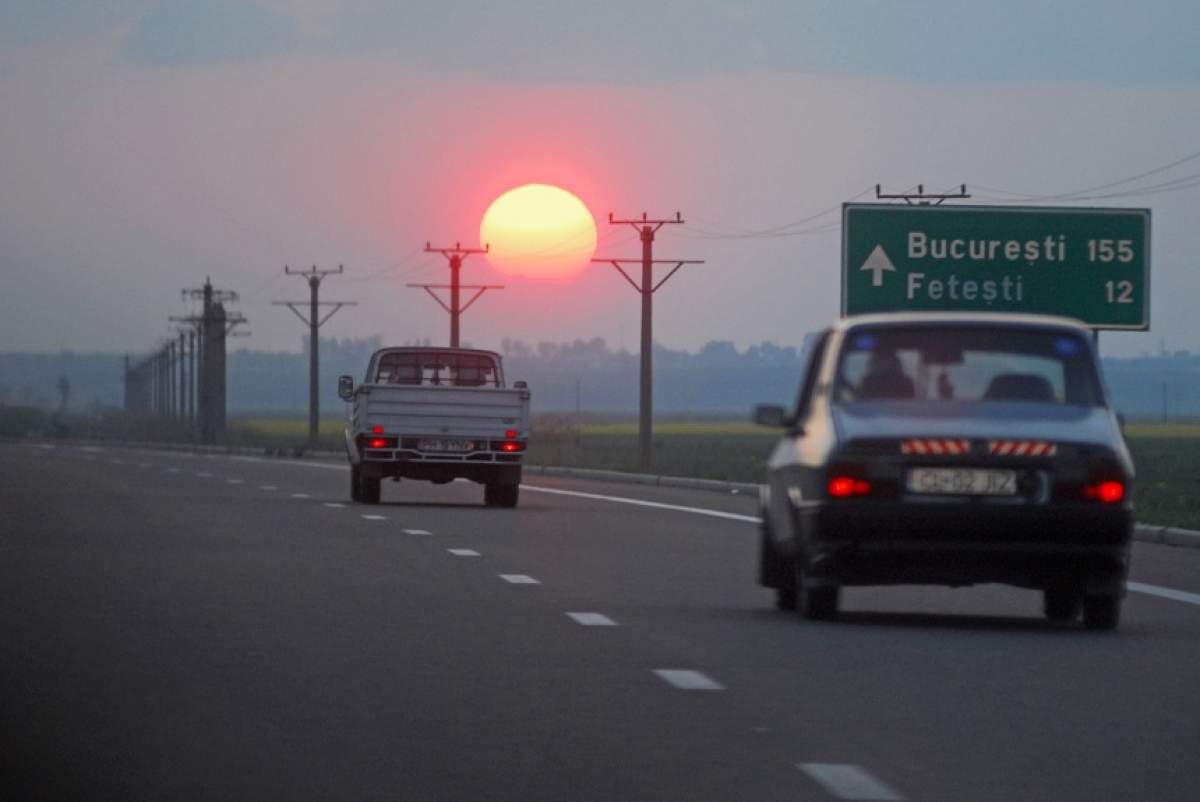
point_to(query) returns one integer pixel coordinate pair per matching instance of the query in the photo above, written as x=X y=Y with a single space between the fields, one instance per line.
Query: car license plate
x=446 y=445
x=962 y=482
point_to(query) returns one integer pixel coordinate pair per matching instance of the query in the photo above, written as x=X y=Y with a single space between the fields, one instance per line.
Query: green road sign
x=1090 y=264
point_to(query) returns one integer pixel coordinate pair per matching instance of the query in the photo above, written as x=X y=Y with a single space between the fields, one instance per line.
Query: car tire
x=773 y=571
x=818 y=603
x=355 y=484
x=1061 y=605
x=1101 y=612
x=369 y=489
x=498 y=495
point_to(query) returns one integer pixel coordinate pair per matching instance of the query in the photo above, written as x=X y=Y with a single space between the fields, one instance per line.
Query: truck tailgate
x=469 y=412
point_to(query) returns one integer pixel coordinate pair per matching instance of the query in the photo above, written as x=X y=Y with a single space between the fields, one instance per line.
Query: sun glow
x=538 y=230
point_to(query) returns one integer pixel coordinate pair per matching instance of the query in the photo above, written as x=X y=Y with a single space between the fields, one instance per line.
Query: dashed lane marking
x=687 y=680
x=300 y=495
x=143 y=464
x=1164 y=593
x=464 y=552
x=337 y=505
x=267 y=487
x=117 y=461
x=847 y=781
x=204 y=474
x=519 y=579
x=236 y=481
x=592 y=619
x=173 y=470
x=416 y=531
x=375 y=517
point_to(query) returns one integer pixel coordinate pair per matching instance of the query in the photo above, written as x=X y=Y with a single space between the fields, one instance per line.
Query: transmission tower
x=919 y=198
x=314 y=324
x=647 y=228
x=455 y=256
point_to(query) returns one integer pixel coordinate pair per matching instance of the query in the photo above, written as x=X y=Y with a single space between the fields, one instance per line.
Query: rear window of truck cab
x=432 y=369
x=966 y=363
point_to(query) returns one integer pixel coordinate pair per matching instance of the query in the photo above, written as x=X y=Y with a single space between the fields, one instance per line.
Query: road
x=189 y=627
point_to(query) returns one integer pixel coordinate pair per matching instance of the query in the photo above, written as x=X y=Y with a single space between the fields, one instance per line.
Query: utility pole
x=455 y=256
x=314 y=323
x=922 y=199
x=212 y=325
x=646 y=229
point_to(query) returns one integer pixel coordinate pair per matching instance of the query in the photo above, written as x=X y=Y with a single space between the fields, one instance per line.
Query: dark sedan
x=950 y=449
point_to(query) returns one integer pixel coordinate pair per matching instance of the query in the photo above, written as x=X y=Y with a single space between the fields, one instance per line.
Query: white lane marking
x=117 y=462
x=375 y=517
x=337 y=505
x=592 y=619
x=143 y=464
x=731 y=516
x=267 y=487
x=247 y=459
x=172 y=470
x=91 y=449
x=46 y=446
x=846 y=781
x=1165 y=593
x=236 y=481
x=90 y=458
x=204 y=474
x=300 y=495
x=416 y=531
x=519 y=579
x=688 y=680
x=463 y=552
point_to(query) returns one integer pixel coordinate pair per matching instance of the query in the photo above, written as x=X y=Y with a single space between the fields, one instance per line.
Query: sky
x=145 y=146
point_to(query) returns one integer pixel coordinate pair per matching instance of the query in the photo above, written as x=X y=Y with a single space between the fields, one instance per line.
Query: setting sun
x=540 y=231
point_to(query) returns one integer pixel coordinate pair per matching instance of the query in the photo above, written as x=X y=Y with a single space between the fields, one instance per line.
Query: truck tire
x=369 y=489
x=498 y=495
x=355 y=484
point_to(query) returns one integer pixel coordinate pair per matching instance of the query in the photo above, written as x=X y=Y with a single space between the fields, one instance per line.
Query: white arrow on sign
x=879 y=263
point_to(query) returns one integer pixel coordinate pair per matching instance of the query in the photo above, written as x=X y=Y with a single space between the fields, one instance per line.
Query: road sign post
x=1087 y=263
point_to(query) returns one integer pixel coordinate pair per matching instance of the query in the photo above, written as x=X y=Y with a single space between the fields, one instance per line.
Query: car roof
x=1005 y=319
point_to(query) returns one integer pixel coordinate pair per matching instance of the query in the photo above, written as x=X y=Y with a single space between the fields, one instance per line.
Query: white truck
x=436 y=414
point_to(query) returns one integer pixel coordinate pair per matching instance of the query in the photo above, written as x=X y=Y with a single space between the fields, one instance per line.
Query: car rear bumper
x=1045 y=546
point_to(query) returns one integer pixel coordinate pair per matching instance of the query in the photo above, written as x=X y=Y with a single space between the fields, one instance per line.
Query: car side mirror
x=771 y=415
x=346 y=387
x=520 y=385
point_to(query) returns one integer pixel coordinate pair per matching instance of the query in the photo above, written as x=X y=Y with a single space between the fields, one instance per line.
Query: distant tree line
x=584 y=375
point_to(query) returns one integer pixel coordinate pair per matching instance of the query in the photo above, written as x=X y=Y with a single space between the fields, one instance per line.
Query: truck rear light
x=372 y=441
x=848 y=487
x=509 y=446
x=377 y=429
x=511 y=434
x=1109 y=492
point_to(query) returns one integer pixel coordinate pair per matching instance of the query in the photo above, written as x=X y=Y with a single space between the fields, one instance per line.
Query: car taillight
x=847 y=487
x=1109 y=492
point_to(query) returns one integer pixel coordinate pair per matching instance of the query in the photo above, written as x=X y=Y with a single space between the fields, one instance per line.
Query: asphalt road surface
x=181 y=627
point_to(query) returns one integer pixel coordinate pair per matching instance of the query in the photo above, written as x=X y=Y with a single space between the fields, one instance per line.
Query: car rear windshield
x=966 y=363
x=432 y=369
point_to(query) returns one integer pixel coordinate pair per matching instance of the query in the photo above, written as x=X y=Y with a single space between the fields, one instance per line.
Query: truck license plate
x=962 y=482
x=446 y=445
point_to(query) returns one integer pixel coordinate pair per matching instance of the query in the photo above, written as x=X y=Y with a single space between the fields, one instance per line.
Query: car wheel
x=497 y=495
x=818 y=603
x=355 y=484
x=773 y=571
x=1101 y=612
x=369 y=490
x=1061 y=605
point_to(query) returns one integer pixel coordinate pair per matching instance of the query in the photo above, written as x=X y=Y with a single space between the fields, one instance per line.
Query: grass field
x=1167 y=455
